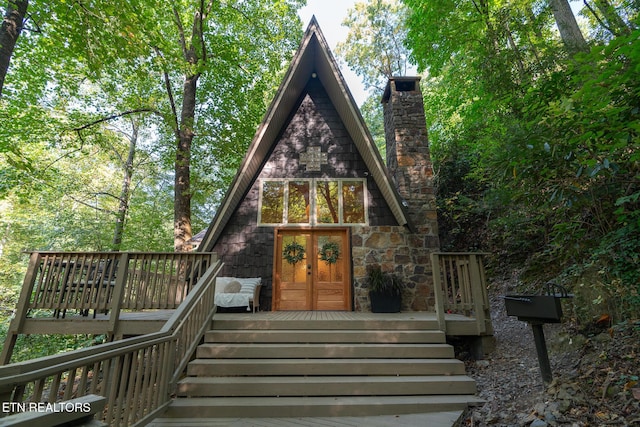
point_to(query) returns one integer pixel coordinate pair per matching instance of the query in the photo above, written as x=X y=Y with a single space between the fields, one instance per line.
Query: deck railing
x=103 y=282
x=88 y=280
x=137 y=376
x=460 y=288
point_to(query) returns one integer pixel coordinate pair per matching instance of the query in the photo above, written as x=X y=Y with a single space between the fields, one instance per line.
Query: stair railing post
x=118 y=293
x=477 y=293
x=437 y=291
x=17 y=323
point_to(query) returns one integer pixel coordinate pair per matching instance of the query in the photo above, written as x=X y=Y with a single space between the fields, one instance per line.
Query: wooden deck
x=167 y=301
x=138 y=292
x=457 y=325
x=144 y=322
x=129 y=323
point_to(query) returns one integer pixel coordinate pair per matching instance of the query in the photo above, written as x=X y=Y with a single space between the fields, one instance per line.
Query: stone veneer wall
x=394 y=249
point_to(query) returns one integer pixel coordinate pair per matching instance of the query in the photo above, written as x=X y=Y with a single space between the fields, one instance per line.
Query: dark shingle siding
x=247 y=249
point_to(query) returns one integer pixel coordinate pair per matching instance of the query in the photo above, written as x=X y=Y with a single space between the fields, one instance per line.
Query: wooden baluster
x=68 y=387
x=82 y=384
x=55 y=388
x=38 y=389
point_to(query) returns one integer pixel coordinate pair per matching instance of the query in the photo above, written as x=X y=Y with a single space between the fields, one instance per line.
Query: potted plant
x=385 y=291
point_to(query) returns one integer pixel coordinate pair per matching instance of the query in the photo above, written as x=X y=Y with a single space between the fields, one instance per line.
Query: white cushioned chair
x=238 y=292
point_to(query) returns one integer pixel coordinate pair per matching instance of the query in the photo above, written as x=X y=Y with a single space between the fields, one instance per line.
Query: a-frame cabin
x=314 y=204
x=311 y=208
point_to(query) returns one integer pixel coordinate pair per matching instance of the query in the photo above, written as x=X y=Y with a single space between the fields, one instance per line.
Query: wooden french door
x=312 y=270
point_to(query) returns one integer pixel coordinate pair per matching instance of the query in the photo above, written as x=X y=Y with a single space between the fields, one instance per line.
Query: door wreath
x=330 y=252
x=293 y=252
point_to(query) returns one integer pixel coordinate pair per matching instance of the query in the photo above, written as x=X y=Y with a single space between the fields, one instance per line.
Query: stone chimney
x=408 y=158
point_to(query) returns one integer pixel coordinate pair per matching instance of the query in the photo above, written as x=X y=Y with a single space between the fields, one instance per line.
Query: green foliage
x=383 y=282
x=375 y=46
x=536 y=152
x=608 y=281
x=83 y=74
x=462 y=208
x=34 y=346
x=373 y=115
x=97 y=64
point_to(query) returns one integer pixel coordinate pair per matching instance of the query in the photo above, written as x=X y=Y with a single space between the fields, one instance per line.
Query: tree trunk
x=4 y=238
x=125 y=193
x=9 y=33
x=516 y=51
x=568 y=26
x=194 y=55
x=482 y=7
x=615 y=23
x=182 y=200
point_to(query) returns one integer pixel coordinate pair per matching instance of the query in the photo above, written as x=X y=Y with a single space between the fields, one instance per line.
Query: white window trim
x=312 y=202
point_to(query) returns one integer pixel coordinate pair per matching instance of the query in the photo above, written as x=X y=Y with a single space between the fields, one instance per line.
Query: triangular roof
x=313 y=56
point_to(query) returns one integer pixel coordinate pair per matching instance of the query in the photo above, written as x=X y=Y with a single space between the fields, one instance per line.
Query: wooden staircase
x=253 y=367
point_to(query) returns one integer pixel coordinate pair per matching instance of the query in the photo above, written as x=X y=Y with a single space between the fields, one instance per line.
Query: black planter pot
x=385 y=302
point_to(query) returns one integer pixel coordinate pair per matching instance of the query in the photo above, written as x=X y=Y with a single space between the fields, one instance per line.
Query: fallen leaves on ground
x=596 y=376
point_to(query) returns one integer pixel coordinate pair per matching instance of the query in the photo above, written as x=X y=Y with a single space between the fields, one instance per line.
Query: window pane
x=353 y=202
x=330 y=259
x=298 y=202
x=272 y=202
x=294 y=258
x=327 y=202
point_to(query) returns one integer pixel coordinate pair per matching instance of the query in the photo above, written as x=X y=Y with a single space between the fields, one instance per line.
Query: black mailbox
x=540 y=308
x=537 y=310
x=545 y=308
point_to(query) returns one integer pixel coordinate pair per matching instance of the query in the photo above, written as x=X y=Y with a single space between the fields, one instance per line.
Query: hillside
x=595 y=375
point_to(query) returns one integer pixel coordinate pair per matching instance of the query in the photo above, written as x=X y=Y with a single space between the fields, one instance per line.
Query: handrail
x=136 y=375
x=460 y=287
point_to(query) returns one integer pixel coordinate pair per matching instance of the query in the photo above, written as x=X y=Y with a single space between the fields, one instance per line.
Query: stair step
x=251 y=407
x=378 y=323
x=275 y=367
x=308 y=365
x=435 y=419
x=324 y=336
x=268 y=351
x=326 y=386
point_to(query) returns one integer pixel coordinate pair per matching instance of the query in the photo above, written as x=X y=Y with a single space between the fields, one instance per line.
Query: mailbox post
x=541 y=349
x=538 y=310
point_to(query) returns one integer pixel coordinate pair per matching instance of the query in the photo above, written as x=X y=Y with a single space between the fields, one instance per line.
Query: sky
x=330 y=14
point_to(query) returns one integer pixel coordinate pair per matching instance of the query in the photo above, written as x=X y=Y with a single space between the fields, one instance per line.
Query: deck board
x=329 y=315
x=135 y=323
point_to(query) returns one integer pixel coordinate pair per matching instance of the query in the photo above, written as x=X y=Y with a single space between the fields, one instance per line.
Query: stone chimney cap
x=401 y=84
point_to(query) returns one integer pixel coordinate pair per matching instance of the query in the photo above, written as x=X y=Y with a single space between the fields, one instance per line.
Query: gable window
x=312 y=202
x=272 y=201
x=327 y=202
x=353 y=202
x=298 y=202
